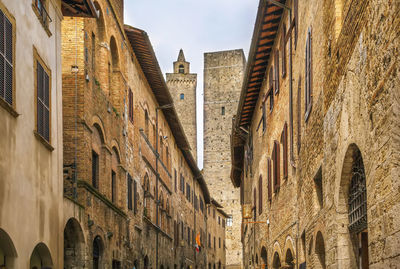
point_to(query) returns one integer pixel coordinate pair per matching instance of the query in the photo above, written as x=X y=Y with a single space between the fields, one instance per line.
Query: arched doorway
x=320 y=251
x=7 y=250
x=276 y=264
x=264 y=258
x=97 y=252
x=289 y=259
x=352 y=208
x=41 y=257
x=74 y=245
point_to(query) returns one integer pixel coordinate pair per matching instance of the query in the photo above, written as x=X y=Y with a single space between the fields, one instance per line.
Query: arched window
x=320 y=250
x=97 y=252
x=181 y=69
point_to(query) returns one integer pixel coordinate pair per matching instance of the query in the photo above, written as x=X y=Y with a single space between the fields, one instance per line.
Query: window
x=42 y=99
x=276 y=71
x=209 y=240
x=260 y=195
x=182 y=96
x=41 y=12
x=188 y=191
x=296 y=20
x=255 y=202
x=176 y=180
x=188 y=235
x=219 y=220
x=270 y=90
x=181 y=69
x=113 y=186
x=6 y=59
x=223 y=223
x=283 y=49
x=219 y=242
x=269 y=179
x=223 y=110
x=214 y=213
x=130 y=100
x=284 y=143
x=129 y=192
x=229 y=221
x=214 y=243
x=135 y=197
x=95 y=170
x=201 y=205
x=93 y=54
x=318 y=188
x=276 y=158
x=308 y=76
x=264 y=118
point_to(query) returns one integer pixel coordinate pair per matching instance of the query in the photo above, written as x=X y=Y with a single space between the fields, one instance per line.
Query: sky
x=196 y=26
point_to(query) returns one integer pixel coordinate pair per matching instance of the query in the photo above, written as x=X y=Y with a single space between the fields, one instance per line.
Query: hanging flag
x=198 y=244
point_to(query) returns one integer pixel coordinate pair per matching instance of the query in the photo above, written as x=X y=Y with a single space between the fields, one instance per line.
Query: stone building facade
x=182 y=86
x=216 y=224
x=314 y=140
x=223 y=72
x=134 y=195
x=31 y=201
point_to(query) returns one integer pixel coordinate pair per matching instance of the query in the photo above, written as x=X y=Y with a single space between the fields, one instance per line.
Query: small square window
x=223 y=110
x=182 y=96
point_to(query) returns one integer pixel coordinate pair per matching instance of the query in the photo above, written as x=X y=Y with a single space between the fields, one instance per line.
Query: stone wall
x=354 y=110
x=223 y=73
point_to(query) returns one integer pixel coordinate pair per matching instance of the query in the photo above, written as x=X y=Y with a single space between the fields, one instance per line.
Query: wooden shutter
x=6 y=59
x=269 y=179
x=260 y=202
x=135 y=198
x=113 y=186
x=285 y=150
x=299 y=115
x=308 y=80
x=130 y=193
x=95 y=169
x=131 y=106
x=278 y=165
x=43 y=103
x=176 y=181
x=296 y=21
x=283 y=49
x=276 y=71
x=255 y=202
x=271 y=89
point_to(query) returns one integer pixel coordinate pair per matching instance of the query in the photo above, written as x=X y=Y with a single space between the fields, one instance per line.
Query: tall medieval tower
x=182 y=86
x=223 y=72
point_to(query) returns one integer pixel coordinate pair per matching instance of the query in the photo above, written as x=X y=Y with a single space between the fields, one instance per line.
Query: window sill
x=43 y=141
x=8 y=107
x=45 y=27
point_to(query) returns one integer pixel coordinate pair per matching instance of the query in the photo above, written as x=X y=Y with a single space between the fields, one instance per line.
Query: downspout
x=157 y=178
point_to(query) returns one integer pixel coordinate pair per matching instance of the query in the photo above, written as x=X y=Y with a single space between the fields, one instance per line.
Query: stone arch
x=289 y=260
x=41 y=257
x=320 y=251
x=74 y=245
x=115 y=147
x=8 y=253
x=350 y=238
x=114 y=53
x=276 y=262
x=264 y=257
x=98 y=124
x=97 y=252
x=101 y=25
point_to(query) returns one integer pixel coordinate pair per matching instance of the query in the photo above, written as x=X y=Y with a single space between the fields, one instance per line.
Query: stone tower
x=223 y=72
x=182 y=86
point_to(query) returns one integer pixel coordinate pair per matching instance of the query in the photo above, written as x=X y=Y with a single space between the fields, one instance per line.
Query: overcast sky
x=196 y=26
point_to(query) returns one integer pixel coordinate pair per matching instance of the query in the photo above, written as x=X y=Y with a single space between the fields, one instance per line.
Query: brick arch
x=98 y=124
x=276 y=249
x=101 y=22
x=115 y=146
x=289 y=244
x=114 y=53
